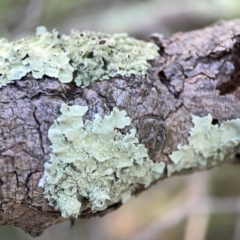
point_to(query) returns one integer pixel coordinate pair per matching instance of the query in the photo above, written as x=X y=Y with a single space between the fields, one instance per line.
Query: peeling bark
x=196 y=73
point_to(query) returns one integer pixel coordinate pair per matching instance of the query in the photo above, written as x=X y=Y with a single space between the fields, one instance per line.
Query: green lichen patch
x=208 y=146
x=90 y=56
x=93 y=164
x=39 y=55
x=101 y=56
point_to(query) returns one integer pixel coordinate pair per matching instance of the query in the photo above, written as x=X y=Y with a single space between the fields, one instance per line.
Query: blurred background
x=202 y=206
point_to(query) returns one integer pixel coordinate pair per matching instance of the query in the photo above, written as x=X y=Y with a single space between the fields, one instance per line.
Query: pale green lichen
x=209 y=145
x=93 y=164
x=82 y=57
x=38 y=55
x=101 y=56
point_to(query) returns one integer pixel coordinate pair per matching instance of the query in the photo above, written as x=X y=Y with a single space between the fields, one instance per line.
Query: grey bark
x=196 y=73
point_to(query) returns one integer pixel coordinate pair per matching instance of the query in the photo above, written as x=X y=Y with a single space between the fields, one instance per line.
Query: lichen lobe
x=92 y=164
x=209 y=145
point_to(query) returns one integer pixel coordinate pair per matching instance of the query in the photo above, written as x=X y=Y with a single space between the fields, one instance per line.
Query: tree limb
x=196 y=73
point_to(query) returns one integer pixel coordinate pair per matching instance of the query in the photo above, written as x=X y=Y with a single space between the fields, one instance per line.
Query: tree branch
x=196 y=73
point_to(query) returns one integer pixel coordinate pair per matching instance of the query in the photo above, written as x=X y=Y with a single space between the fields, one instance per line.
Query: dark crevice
x=27 y=181
x=15 y=172
x=231 y=86
x=39 y=130
x=158 y=40
x=215 y=121
x=164 y=79
x=90 y=55
x=1 y=182
x=27 y=187
x=176 y=94
x=165 y=172
x=166 y=82
x=237 y=156
x=104 y=64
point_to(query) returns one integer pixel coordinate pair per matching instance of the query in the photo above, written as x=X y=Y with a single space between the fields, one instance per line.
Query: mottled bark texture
x=196 y=73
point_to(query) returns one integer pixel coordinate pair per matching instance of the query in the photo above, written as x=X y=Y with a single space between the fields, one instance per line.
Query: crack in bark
x=39 y=131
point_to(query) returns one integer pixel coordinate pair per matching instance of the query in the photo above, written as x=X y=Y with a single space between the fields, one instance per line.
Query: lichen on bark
x=82 y=56
x=93 y=164
x=196 y=74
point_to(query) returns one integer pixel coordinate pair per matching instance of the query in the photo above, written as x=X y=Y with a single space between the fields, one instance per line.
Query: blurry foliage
x=224 y=181
x=145 y=209
x=7 y=233
x=176 y=233
x=221 y=227
x=139 y=18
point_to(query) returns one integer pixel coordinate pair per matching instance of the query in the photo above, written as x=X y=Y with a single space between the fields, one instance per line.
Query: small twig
x=199 y=184
x=236 y=235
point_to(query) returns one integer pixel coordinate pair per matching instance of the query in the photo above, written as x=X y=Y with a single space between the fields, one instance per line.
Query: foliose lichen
x=92 y=164
x=209 y=145
x=82 y=56
x=39 y=55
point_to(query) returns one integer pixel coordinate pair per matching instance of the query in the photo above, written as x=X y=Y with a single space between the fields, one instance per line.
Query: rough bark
x=196 y=73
